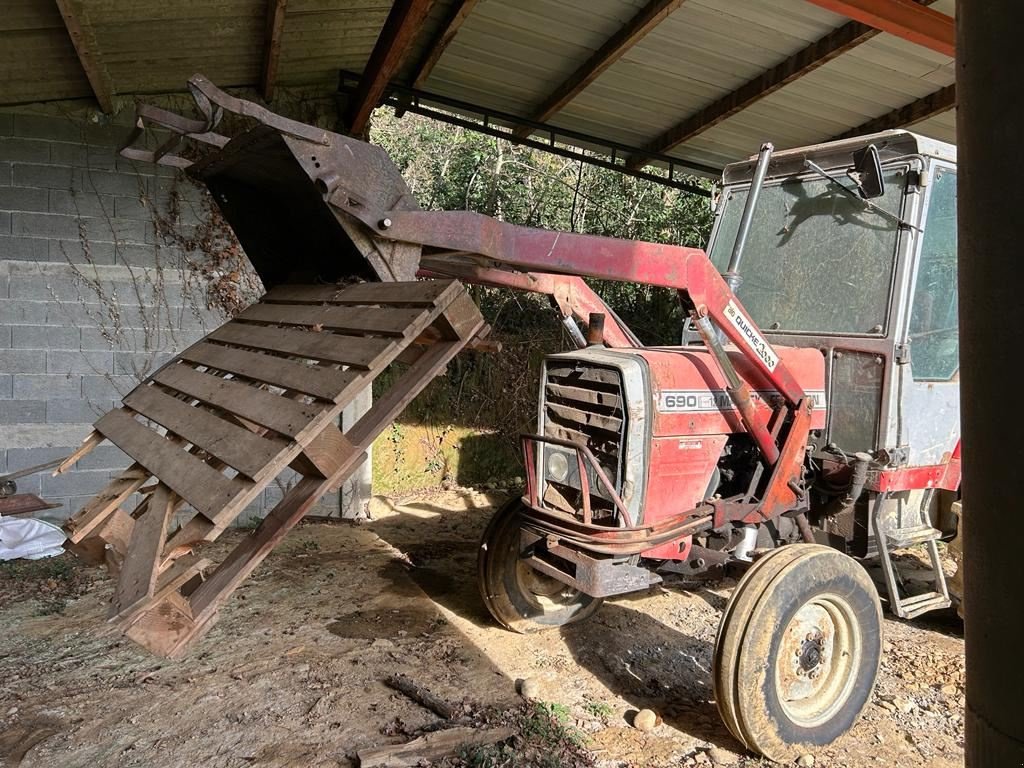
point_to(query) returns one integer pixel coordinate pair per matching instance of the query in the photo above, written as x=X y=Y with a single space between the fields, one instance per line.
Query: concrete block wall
x=92 y=297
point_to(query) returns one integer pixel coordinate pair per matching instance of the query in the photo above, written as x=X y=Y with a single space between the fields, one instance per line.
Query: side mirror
x=867 y=172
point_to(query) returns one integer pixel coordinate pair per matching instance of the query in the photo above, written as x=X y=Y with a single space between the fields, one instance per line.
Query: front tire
x=517 y=596
x=798 y=650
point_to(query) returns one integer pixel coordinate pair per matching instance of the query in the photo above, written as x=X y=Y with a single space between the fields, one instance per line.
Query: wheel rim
x=818 y=659
x=547 y=592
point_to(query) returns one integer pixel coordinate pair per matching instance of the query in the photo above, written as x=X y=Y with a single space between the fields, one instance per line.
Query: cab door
x=930 y=376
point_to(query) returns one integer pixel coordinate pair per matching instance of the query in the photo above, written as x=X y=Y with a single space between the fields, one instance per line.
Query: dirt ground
x=291 y=675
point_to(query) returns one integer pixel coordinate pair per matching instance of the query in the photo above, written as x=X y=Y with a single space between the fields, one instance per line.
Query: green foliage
x=495 y=395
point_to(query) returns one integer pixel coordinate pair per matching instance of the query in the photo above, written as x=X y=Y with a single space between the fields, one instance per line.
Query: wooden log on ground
x=432 y=746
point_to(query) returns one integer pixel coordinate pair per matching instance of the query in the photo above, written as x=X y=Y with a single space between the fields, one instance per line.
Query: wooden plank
x=272 y=47
x=94 y=439
x=419 y=293
x=80 y=30
x=281 y=414
x=247 y=556
x=457 y=16
x=903 y=18
x=378 y=320
x=392 y=46
x=180 y=572
x=316 y=380
x=141 y=563
x=613 y=49
x=115 y=530
x=105 y=503
x=236 y=446
x=933 y=104
x=164 y=629
x=198 y=483
x=356 y=351
x=325 y=453
x=431 y=746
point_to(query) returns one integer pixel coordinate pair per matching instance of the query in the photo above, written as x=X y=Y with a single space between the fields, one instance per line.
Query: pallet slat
x=256 y=405
x=198 y=483
x=236 y=446
x=315 y=380
x=356 y=351
x=388 y=322
x=414 y=294
x=145 y=545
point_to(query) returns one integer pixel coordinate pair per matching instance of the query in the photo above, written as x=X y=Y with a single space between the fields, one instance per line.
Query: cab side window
x=934 y=331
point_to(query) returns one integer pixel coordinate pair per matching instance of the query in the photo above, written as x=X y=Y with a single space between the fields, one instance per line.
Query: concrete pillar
x=990 y=128
x=356 y=492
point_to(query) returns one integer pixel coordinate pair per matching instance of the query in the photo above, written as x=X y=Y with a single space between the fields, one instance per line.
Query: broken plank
x=387 y=322
x=105 y=503
x=315 y=380
x=141 y=563
x=431 y=746
x=420 y=293
x=236 y=446
x=275 y=412
x=169 y=581
x=356 y=351
x=197 y=482
x=94 y=439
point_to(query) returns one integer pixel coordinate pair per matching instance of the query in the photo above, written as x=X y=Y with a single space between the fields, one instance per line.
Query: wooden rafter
x=77 y=23
x=272 y=47
x=650 y=16
x=903 y=18
x=933 y=104
x=822 y=51
x=456 y=18
x=392 y=46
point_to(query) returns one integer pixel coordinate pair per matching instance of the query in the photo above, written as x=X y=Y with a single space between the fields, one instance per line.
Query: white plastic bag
x=29 y=538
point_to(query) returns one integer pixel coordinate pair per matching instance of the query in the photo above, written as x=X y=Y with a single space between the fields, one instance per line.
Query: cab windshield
x=816 y=260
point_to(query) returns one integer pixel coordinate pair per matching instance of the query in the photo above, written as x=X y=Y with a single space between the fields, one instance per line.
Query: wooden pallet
x=213 y=427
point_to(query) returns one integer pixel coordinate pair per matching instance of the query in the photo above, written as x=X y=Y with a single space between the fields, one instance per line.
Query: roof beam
x=392 y=46
x=650 y=16
x=77 y=22
x=272 y=47
x=933 y=104
x=801 y=63
x=456 y=18
x=796 y=66
x=903 y=18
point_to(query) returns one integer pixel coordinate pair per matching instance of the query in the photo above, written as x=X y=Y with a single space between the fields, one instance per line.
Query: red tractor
x=808 y=418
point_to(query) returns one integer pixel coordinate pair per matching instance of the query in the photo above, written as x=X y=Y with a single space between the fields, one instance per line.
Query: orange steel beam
x=903 y=18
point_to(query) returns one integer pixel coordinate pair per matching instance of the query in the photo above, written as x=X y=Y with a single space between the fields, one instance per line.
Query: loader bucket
x=272 y=183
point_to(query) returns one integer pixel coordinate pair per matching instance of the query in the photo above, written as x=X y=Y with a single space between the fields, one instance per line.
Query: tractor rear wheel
x=798 y=650
x=518 y=597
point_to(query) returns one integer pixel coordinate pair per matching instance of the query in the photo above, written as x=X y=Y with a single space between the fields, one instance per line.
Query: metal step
x=912 y=536
x=922 y=535
x=928 y=601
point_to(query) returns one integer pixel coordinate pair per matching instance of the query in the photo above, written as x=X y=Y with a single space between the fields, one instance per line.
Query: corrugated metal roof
x=508 y=56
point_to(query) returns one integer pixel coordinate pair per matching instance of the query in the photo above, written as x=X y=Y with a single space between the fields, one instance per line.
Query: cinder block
x=79 y=361
x=24 y=199
x=80 y=203
x=5 y=337
x=22 y=458
x=45 y=337
x=75 y=483
x=22 y=411
x=114 y=183
x=18 y=311
x=6 y=124
x=108 y=387
x=49 y=176
x=98 y=338
x=5 y=174
x=44 y=386
x=25 y=150
x=22 y=361
x=6 y=388
x=75 y=411
x=79 y=252
x=30 y=484
x=49 y=225
x=40 y=127
x=106 y=456
x=5 y=221
x=23 y=248
x=83 y=156
x=140 y=364
x=46 y=287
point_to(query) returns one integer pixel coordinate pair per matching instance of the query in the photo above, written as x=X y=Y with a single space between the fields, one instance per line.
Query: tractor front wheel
x=798 y=650
x=518 y=597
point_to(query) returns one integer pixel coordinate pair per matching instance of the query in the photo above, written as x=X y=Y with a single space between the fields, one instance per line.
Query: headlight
x=557 y=466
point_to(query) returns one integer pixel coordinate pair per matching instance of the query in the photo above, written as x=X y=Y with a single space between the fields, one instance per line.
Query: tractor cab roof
x=838 y=154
